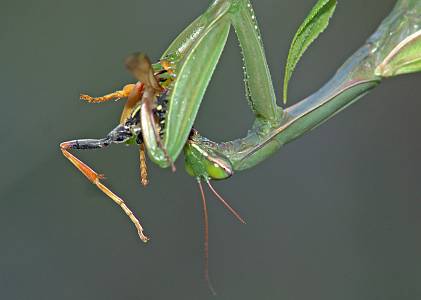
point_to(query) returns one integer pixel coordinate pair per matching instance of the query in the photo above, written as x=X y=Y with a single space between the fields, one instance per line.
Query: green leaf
x=314 y=24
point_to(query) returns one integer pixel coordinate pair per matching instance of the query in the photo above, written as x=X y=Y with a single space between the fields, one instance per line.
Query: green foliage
x=314 y=24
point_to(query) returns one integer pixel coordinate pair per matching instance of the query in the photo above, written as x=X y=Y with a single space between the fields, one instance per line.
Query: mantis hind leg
x=95 y=177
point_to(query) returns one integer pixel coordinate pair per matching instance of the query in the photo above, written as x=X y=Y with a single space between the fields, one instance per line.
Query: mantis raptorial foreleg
x=190 y=58
x=194 y=55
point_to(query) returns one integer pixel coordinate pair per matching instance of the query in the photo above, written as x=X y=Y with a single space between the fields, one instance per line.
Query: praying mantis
x=162 y=105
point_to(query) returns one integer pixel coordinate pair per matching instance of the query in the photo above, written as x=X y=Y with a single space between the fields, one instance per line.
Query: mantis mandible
x=162 y=105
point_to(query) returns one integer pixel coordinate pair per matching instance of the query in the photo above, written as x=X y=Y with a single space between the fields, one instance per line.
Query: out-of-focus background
x=334 y=215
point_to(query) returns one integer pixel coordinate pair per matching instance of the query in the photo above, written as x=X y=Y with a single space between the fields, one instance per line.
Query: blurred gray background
x=334 y=215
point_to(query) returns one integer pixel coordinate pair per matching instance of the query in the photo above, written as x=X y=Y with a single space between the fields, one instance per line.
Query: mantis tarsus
x=162 y=106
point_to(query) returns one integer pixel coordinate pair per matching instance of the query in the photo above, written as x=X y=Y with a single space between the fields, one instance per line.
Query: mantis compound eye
x=202 y=162
x=218 y=168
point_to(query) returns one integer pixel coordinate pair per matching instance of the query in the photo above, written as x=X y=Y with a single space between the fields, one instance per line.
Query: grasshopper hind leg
x=116 y=136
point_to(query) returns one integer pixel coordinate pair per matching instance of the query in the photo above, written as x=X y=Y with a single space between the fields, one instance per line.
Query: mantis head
x=203 y=161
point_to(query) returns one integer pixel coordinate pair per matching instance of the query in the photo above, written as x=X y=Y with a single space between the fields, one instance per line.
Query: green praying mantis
x=162 y=105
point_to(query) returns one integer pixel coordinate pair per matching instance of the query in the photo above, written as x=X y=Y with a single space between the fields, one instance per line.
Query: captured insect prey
x=162 y=105
x=143 y=123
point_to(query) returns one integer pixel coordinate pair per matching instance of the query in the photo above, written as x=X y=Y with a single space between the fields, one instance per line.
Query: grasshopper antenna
x=225 y=203
x=206 y=239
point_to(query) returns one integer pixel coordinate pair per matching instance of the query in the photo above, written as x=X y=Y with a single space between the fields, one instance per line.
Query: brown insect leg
x=143 y=167
x=95 y=179
x=125 y=92
x=133 y=98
